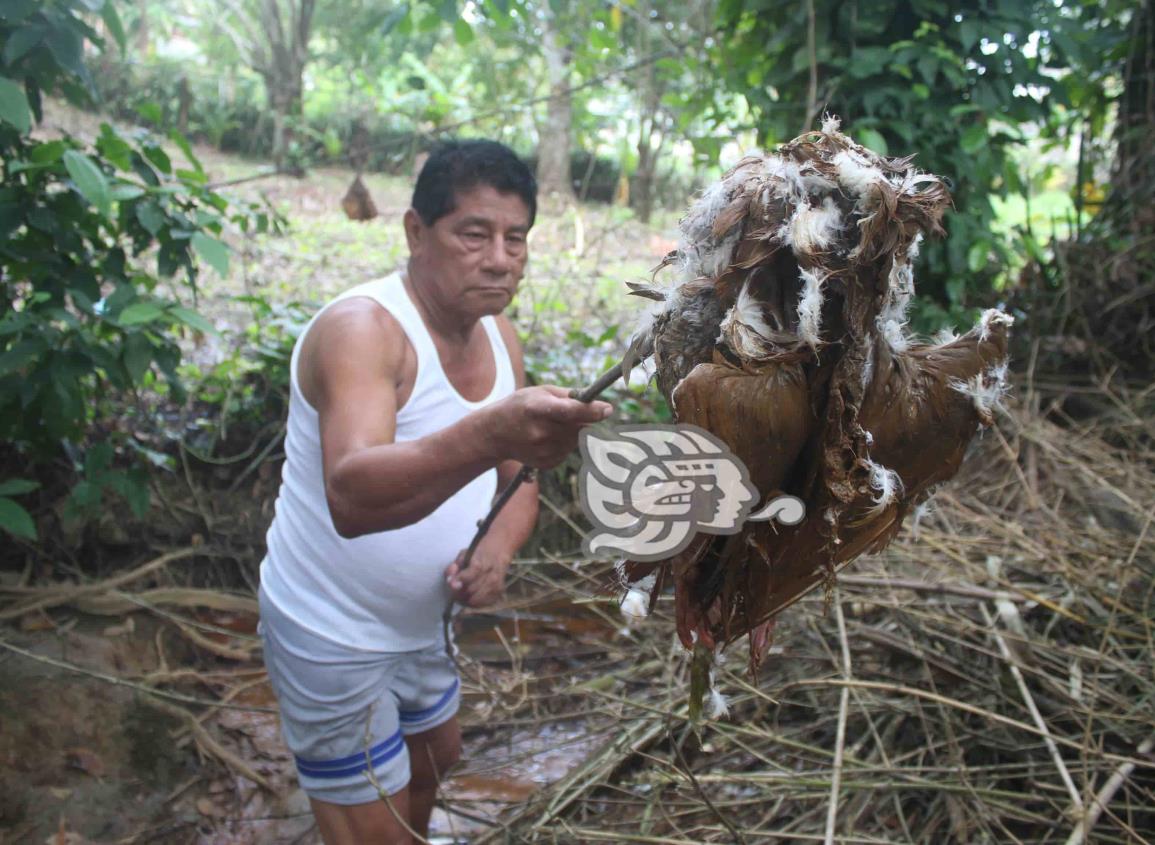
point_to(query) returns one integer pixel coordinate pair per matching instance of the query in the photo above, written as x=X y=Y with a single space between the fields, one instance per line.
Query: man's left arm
x=483 y=581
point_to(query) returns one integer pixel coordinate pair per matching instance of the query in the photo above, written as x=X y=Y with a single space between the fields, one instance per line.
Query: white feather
x=635 y=605
x=813 y=229
x=895 y=334
x=900 y=288
x=744 y=327
x=921 y=512
x=857 y=175
x=986 y=390
x=886 y=484
x=831 y=124
x=868 y=365
x=992 y=317
x=719 y=707
x=810 y=307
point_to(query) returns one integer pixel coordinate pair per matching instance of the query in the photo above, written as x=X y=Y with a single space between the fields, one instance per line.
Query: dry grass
x=988 y=680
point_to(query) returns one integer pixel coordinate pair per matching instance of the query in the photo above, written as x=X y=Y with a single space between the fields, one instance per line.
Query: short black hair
x=455 y=166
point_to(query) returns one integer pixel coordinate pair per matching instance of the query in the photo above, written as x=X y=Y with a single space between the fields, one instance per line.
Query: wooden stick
x=525 y=474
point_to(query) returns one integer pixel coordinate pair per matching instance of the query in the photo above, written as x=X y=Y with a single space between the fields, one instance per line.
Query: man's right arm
x=349 y=368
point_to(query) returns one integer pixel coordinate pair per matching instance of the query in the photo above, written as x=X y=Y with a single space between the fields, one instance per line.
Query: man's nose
x=498 y=256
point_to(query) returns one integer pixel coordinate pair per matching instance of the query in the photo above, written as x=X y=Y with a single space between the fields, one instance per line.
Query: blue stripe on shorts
x=354 y=764
x=414 y=716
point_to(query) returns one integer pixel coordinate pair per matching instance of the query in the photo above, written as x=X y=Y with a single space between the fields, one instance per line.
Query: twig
x=209 y=744
x=526 y=473
x=122 y=682
x=966 y=708
x=1083 y=828
x=677 y=746
x=240 y=180
x=1036 y=716
x=840 y=737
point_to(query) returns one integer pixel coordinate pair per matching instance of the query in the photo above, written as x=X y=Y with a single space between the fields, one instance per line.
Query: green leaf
x=14 y=11
x=139 y=313
x=17 y=486
x=978 y=255
x=215 y=252
x=158 y=157
x=968 y=34
x=16 y=521
x=185 y=147
x=67 y=48
x=112 y=21
x=90 y=180
x=14 y=105
x=126 y=192
x=462 y=32
x=871 y=139
x=137 y=355
x=20 y=355
x=973 y=139
x=21 y=42
x=48 y=152
x=151 y=112
x=150 y=216
x=193 y=320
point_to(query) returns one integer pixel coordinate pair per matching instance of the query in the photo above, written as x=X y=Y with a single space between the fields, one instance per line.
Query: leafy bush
x=91 y=239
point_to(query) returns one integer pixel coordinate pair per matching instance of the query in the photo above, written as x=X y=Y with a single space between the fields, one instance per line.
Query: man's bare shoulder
x=359 y=322
x=351 y=337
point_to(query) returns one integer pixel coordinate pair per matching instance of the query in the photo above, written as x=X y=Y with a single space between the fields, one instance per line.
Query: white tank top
x=380 y=592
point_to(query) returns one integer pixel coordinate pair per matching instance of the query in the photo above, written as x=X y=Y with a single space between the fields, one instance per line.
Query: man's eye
x=474 y=236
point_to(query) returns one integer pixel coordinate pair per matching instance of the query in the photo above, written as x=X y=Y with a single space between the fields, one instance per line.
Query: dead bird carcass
x=786 y=338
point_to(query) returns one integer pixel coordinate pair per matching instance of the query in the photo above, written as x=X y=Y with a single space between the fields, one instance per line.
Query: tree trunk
x=142 y=33
x=184 y=97
x=1133 y=175
x=642 y=191
x=285 y=103
x=553 y=151
x=283 y=68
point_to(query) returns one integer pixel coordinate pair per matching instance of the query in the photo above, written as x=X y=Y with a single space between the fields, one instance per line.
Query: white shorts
x=343 y=709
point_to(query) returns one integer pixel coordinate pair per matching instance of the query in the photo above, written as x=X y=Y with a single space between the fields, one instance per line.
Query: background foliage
x=629 y=103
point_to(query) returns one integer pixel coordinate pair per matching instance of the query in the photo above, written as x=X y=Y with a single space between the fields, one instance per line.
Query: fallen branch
x=68 y=594
x=122 y=682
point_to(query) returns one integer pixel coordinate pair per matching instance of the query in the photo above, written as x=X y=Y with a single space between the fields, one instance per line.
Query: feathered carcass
x=786 y=338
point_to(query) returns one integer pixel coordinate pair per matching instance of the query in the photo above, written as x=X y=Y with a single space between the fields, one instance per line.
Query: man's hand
x=482 y=583
x=539 y=426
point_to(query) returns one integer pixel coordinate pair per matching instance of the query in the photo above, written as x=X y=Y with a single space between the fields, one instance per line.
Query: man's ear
x=414 y=230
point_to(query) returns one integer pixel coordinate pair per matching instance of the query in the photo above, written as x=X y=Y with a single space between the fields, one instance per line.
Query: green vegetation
x=94 y=237
x=144 y=316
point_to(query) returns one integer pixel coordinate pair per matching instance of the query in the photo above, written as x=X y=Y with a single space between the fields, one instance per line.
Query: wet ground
x=86 y=760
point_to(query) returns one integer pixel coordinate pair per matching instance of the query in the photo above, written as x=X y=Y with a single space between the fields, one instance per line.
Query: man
x=408 y=412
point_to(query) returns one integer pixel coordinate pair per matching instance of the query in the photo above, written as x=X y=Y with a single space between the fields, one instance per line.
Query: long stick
x=525 y=474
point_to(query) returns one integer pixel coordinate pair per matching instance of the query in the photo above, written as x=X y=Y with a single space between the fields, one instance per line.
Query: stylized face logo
x=649 y=489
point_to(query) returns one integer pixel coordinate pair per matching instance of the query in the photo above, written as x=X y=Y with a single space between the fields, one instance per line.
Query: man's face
x=475 y=255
